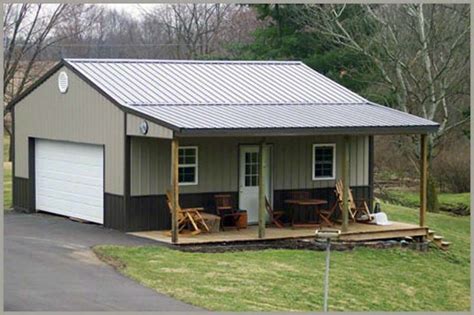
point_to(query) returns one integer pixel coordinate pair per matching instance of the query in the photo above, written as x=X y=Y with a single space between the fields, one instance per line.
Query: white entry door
x=248 y=180
x=69 y=179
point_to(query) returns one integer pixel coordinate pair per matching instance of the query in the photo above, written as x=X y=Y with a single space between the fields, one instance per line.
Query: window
x=251 y=169
x=324 y=161
x=188 y=165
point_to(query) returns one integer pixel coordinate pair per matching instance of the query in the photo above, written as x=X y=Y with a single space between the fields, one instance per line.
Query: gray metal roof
x=280 y=116
x=158 y=82
x=236 y=95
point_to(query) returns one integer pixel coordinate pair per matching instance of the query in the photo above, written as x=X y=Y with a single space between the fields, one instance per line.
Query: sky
x=135 y=9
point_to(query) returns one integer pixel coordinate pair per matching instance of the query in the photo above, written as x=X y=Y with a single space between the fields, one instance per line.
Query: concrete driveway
x=49 y=267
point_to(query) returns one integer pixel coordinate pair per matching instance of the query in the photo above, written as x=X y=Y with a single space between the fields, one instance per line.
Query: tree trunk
x=10 y=146
x=432 y=195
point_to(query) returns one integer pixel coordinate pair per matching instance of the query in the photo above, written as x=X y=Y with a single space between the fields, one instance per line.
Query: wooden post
x=174 y=189
x=262 y=170
x=423 y=177
x=345 y=182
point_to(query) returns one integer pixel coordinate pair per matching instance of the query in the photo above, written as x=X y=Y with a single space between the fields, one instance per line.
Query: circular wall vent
x=63 y=82
x=143 y=127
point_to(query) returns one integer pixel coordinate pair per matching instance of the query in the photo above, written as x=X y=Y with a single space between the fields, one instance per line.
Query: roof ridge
x=243 y=104
x=182 y=61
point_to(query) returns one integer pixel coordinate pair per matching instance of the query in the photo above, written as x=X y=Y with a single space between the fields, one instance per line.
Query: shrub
x=451 y=168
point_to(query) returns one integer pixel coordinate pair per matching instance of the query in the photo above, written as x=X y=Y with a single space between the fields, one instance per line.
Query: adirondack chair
x=356 y=207
x=188 y=217
x=226 y=211
x=275 y=216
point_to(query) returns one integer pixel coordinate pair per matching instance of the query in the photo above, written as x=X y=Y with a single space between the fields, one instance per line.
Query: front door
x=248 y=180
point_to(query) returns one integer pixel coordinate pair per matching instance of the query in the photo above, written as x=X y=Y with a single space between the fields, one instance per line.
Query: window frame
x=195 y=165
x=316 y=145
x=252 y=174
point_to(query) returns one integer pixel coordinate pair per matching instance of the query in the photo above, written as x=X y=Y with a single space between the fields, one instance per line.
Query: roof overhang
x=274 y=132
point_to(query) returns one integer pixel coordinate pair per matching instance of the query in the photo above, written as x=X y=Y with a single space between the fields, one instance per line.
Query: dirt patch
x=112 y=261
x=304 y=244
x=86 y=256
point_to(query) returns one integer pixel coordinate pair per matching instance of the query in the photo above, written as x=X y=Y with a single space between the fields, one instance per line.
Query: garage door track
x=49 y=266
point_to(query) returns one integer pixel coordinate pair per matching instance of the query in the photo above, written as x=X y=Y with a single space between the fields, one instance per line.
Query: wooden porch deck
x=357 y=232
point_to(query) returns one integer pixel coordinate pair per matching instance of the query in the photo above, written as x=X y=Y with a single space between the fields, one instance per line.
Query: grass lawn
x=7 y=185
x=7 y=175
x=6 y=146
x=291 y=280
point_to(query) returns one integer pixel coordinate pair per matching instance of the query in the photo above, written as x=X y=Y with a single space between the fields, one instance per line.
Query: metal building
x=92 y=138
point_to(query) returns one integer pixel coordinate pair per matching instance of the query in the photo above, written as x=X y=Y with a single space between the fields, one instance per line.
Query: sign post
x=327 y=235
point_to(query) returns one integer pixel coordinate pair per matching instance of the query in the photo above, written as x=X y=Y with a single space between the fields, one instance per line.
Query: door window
x=251 y=169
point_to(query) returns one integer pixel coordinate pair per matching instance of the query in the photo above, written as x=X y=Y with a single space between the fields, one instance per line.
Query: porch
x=356 y=232
x=351 y=231
x=288 y=162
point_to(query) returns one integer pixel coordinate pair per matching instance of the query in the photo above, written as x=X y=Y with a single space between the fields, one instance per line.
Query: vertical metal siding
x=154 y=130
x=218 y=163
x=81 y=115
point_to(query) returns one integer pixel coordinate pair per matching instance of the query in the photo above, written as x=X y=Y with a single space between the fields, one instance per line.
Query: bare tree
x=29 y=29
x=192 y=29
x=421 y=52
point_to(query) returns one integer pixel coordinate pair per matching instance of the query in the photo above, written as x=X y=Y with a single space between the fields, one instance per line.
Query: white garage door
x=69 y=179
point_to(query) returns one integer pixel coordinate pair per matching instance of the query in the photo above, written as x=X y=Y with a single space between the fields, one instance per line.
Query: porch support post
x=345 y=182
x=174 y=189
x=262 y=168
x=423 y=178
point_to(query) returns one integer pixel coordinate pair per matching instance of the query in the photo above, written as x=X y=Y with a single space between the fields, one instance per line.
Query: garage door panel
x=70 y=207
x=58 y=177
x=76 y=163
x=63 y=167
x=60 y=187
x=69 y=179
x=69 y=196
x=63 y=157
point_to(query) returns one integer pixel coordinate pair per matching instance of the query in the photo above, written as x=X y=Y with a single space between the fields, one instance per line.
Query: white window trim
x=333 y=145
x=195 y=165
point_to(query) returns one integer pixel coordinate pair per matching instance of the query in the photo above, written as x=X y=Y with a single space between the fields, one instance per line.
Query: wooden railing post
x=262 y=169
x=174 y=189
x=423 y=178
x=345 y=183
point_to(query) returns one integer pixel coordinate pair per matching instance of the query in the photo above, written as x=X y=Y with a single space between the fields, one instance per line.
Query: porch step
x=445 y=245
x=438 y=240
x=431 y=234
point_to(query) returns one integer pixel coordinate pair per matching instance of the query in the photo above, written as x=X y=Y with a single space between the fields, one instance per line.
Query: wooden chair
x=275 y=216
x=226 y=211
x=356 y=207
x=326 y=214
x=188 y=217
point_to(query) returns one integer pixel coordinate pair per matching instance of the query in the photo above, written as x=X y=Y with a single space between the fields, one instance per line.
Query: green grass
x=6 y=146
x=446 y=200
x=7 y=175
x=7 y=185
x=291 y=280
